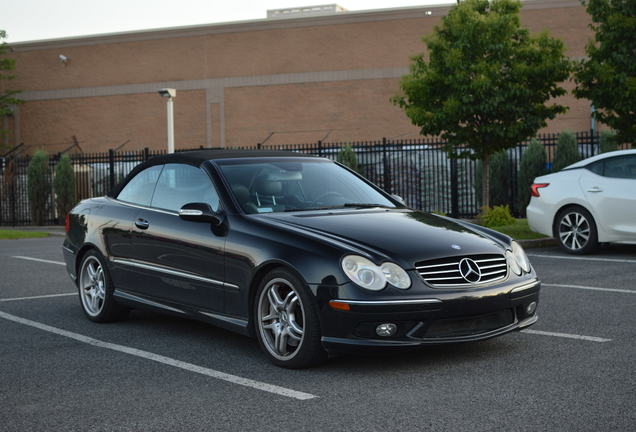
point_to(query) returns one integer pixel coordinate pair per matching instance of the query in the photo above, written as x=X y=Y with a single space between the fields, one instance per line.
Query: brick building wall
x=293 y=80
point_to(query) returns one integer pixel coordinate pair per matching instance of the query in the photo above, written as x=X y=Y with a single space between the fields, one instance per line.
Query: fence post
x=454 y=188
x=259 y=145
x=319 y=145
x=386 y=167
x=592 y=142
x=111 y=169
x=146 y=153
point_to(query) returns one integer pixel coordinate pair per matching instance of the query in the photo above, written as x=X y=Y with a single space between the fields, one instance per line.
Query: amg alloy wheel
x=576 y=230
x=92 y=286
x=287 y=323
x=96 y=290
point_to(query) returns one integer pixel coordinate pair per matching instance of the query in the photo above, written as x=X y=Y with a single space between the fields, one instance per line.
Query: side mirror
x=200 y=212
x=398 y=199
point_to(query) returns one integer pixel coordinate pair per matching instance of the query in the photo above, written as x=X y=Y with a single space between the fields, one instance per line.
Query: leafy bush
x=39 y=186
x=499 y=179
x=348 y=158
x=532 y=165
x=496 y=216
x=64 y=186
x=567 y=151
x=608 y=141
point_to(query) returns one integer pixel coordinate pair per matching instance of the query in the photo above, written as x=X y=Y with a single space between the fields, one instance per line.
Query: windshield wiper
x=366 y=205
x=308 y=209
x=345 y=205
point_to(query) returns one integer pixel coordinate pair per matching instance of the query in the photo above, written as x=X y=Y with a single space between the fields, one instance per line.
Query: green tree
x=567 y=151
x=607 y=76
x=486 y=83
x=348 y=158
x=64 y=186
x=39 y=186
x=7 y=97
x=499 y=179
x=531 y=166
x=608 y=141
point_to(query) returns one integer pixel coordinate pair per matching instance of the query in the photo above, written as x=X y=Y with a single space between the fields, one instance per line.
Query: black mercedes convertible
x=300 y=252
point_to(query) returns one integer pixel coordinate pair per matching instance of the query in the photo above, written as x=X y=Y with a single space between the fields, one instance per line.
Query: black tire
x=105 y=308
x=293 y=314
x=571 y=225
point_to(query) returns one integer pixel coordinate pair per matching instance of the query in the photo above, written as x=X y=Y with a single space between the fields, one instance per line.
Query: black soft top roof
x=197 y=157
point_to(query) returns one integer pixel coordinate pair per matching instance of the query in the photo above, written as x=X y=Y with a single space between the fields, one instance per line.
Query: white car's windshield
x=285 y=185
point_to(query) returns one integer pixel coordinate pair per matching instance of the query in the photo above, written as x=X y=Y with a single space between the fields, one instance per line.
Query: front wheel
x=96 y=290
x=287 y=322
x=576 y=230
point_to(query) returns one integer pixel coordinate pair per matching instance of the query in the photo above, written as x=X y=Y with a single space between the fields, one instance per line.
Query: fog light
x=531 y=308
x=386 y=329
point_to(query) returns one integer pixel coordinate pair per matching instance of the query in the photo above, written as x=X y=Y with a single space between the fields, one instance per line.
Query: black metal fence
x=419 y=170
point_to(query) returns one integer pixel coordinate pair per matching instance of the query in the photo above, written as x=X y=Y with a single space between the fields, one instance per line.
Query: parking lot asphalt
x=574 y=371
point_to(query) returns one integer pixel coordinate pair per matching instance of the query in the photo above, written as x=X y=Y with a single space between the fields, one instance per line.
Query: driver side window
x=180 y=184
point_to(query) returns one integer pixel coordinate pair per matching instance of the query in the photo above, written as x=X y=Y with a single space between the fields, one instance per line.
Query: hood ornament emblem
x=469 y=270
x=455 y=246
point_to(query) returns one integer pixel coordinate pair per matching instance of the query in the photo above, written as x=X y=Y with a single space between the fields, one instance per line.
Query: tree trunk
x=485 y=181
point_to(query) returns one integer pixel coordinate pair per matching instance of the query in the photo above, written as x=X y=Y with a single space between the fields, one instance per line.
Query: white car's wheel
x=575 y=230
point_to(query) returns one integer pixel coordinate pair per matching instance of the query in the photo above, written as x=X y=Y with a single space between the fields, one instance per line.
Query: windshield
x=285 y=185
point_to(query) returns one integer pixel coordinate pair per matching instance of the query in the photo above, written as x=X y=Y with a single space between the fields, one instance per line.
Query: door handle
x=595 y=189
x=142 y=223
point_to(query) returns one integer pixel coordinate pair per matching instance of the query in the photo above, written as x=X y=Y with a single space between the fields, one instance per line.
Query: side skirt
x=234 y=324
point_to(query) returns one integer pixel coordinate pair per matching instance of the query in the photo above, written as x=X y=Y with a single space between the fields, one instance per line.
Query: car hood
x=398 y=235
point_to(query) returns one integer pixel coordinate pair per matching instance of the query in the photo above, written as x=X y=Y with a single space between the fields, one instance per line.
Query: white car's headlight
x=372 y=277
x=520 y=257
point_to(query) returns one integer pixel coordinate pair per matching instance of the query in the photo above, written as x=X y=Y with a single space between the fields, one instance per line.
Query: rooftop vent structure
x=303 y=11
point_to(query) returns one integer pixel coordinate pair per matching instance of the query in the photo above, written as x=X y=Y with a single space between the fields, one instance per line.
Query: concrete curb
x=537 y=243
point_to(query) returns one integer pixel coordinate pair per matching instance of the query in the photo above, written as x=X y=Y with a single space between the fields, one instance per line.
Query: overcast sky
x=45 y=19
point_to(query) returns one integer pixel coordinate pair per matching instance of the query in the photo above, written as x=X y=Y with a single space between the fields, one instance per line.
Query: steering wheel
x=333 y=197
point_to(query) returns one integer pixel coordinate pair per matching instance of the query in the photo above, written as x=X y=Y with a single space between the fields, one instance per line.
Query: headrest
x=242 y=193
x=263 y=185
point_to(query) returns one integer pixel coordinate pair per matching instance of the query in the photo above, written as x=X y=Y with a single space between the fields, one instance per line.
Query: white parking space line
x=566 y=335
x=590 y=288
x=234 y=379
x=39 y=260
x=36 y=297
x=582 y=258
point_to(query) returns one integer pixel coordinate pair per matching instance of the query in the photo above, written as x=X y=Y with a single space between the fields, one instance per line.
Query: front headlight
x=368 y=275
x=512 y=262
x=395 y=275
x=521 y=257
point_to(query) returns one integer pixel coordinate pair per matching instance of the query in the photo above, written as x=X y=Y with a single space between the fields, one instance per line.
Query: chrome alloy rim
x=281 y=319
x=92 y=286
x=574 y=231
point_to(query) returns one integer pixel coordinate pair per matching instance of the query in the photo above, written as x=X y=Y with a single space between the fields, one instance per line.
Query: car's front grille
x=467 y=270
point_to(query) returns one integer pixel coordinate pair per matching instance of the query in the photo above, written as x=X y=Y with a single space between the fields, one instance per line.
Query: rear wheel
x=575 y=230
x=287 y=323
x=96 y=290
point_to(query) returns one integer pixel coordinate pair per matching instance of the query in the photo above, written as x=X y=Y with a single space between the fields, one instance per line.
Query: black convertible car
x=298 y=251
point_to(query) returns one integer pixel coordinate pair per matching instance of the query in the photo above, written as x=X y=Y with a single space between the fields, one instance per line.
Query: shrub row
x=39 y=186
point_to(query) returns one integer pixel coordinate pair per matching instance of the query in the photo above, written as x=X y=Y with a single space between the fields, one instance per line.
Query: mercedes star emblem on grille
x=469 y=270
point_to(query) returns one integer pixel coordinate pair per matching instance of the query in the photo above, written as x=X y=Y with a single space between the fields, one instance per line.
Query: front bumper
x=439 y=318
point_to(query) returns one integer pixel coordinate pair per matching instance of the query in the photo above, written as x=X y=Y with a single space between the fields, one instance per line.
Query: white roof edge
x=263 y=23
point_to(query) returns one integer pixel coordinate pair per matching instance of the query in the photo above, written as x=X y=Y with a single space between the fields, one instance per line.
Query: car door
x=610 y=188
x=182 y=261
x=116 y=224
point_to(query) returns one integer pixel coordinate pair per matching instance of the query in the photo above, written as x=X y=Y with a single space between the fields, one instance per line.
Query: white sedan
x=590 y=202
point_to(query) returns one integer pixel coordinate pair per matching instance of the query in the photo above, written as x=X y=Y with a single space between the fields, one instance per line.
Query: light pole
x=169 y=93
